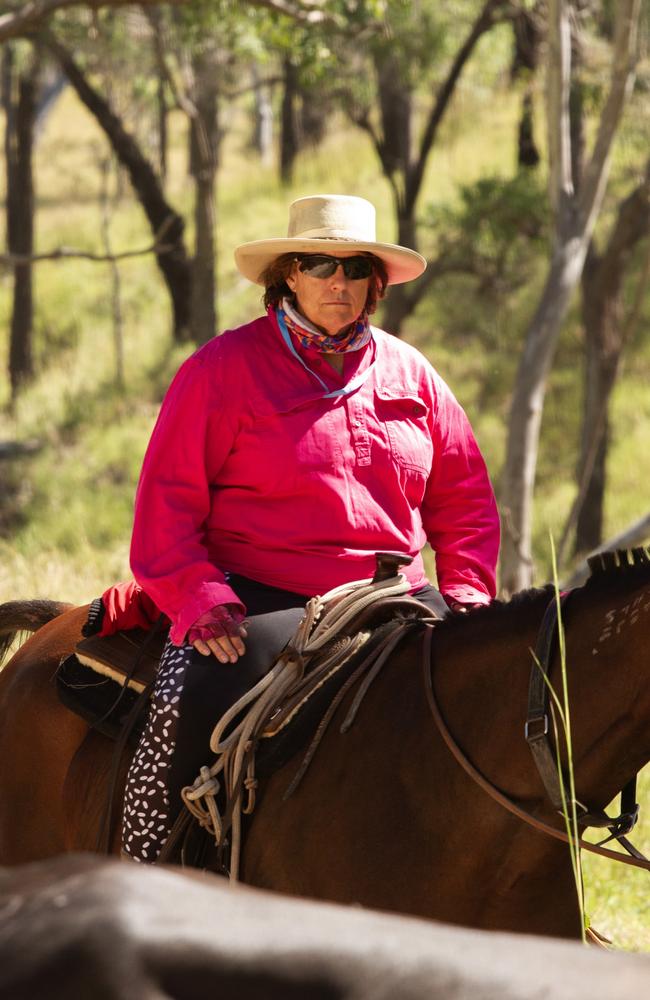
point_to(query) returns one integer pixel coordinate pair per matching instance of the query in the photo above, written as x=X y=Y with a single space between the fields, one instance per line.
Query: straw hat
x=329 y=223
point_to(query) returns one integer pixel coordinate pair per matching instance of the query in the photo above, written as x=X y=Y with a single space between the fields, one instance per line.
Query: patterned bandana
x=351 y=338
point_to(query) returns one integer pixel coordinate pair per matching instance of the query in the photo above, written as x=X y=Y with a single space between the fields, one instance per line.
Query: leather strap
x=538 y=737
x=488 y=787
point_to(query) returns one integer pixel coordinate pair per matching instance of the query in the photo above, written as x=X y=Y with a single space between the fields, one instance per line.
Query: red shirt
x=250 y=470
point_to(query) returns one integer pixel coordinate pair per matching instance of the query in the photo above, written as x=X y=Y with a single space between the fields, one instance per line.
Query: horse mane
x=607 y=568
x=498 y=610
x=607 y=571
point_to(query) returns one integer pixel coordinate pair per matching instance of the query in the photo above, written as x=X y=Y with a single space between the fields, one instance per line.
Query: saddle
x=109 y=680
x=106 y=676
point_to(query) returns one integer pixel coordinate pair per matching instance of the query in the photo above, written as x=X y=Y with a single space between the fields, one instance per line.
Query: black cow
x=80 y=927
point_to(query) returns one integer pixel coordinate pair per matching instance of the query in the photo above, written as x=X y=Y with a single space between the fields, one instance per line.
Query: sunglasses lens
x=321 y=266
x=357 y=267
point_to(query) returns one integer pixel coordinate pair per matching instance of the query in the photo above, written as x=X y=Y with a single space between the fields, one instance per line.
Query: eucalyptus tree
x=89 y=68
x=616 y=271
x=576 y=213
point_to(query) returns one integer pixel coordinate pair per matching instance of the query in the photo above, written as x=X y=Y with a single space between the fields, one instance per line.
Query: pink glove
x=223 y=619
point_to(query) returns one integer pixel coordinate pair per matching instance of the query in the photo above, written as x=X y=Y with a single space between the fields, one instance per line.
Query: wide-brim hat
x=329 y=223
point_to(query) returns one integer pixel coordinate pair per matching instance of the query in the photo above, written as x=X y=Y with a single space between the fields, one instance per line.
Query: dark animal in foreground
x=83 y=927
x=385 y=816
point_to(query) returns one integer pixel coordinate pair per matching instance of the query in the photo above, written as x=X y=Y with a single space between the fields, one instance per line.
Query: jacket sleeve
x=459 y=512
x=191 y=439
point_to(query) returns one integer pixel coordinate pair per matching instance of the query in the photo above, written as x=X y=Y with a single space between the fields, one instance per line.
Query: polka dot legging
x=147 y=816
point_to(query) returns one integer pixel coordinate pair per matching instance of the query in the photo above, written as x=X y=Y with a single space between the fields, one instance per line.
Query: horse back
x=38 y=740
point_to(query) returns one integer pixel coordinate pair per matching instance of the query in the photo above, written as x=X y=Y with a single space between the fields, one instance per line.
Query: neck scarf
x=351 y=338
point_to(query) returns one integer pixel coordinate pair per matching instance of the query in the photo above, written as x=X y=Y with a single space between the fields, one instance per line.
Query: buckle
x=541 y=733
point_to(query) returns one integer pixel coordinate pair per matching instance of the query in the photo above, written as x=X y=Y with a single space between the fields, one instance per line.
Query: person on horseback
x=287 y=453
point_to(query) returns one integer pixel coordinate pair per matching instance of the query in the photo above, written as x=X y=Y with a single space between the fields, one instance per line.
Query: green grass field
x=65 y=511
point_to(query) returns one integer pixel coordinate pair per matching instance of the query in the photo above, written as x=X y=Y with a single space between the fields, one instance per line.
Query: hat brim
x=401 y=264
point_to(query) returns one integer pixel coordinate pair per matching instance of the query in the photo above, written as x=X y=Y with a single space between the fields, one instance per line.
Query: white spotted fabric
x=146 y=824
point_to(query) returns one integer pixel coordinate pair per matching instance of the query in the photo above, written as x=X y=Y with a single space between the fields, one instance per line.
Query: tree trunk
x=396 y=109
x=165 y=222
x=21 y=102
x=527 y=37
x=203 y=167
x=576 y=217
x=315 y=112
x=601 y=312
x=163 y=136
x=289 y=139
x=606 y=334
x=262 y=140
x=526 y=414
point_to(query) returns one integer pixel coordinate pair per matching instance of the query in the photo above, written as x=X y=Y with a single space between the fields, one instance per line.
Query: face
x=329 y=303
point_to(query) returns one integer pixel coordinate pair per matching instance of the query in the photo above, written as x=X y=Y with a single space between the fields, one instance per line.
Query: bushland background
x=142 y=144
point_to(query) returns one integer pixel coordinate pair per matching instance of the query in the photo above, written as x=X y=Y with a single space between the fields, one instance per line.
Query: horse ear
x=596 y=563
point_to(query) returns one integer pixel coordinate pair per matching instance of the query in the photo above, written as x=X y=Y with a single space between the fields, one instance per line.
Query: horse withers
x=385 y=816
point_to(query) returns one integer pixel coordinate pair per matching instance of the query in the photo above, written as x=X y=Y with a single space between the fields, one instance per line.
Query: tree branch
x=485 y=20
x=69 y=253
x=303 y=13
x=633 y=535
x=622 y=79
x=559 y=88
x=28 y=17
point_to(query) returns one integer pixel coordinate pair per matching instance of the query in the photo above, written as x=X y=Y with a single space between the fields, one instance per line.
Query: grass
x=65 y=512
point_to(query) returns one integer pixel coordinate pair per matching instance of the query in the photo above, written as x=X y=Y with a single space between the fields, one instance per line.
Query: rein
x=637 y=861
x=536 y=732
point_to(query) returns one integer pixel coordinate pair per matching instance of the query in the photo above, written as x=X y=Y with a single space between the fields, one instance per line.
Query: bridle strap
x=538 y=737
x=487 y=786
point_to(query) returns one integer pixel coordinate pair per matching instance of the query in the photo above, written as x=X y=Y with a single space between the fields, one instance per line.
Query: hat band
x=334 y=234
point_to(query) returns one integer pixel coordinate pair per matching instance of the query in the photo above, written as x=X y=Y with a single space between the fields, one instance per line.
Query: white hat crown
x=334 y=217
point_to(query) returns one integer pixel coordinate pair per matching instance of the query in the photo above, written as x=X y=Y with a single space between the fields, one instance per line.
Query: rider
x=287 y=453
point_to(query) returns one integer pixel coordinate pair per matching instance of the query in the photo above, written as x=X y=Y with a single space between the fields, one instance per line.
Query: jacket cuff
x=209 y=595
x=466 y=594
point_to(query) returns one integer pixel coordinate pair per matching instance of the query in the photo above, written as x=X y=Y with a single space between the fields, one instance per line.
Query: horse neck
x=607 y=627
x=482 y=667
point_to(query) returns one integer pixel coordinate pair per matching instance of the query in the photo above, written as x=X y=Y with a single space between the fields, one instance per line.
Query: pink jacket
x=250 y=470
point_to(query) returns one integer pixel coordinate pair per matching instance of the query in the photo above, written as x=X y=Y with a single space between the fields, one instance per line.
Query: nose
x=339 y=277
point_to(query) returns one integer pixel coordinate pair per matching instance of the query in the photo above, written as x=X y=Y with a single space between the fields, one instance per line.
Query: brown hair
x=276 y=287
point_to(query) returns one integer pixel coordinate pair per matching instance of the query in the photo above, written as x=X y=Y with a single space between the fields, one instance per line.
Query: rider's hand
x=220 y=632
x=458 y=607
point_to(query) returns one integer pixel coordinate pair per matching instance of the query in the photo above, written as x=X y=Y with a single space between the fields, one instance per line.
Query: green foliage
x=496 y=231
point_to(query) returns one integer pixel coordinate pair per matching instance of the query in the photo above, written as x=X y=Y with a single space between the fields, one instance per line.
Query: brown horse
x=385 y=816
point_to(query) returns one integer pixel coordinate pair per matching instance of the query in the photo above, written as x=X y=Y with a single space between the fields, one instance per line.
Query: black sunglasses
x=319 y=265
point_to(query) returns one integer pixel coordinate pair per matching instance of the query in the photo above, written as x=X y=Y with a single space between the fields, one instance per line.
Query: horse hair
x=607 y=568
x=497 y=609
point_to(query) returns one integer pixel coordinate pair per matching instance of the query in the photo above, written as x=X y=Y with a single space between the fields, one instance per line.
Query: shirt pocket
x=404 y=414
x=295 y=439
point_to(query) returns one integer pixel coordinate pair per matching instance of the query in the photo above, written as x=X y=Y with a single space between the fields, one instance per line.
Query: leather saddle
x=107 y=677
